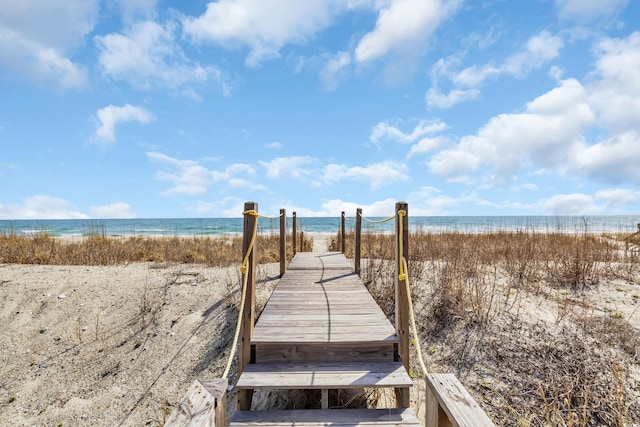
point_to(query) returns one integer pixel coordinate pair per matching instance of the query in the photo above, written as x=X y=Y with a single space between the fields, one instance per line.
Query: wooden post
x=434 y=414
x=302 y=241
x=283 y=241
x=342 y=233
x=204 y=404
x=358 y=242
x=402 y=298
x=294 y=232
x=248 y=318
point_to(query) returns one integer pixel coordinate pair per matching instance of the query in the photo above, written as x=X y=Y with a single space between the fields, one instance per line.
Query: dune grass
x=480 y=306
x=98 y=249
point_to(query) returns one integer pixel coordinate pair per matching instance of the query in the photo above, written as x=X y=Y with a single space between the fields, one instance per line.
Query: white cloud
x=377 y=174
x=616 y=93
x=614 y=160
x=334 y=70
x=435 y=98
x=274 y=145
x=265 y=27
x=335 y=207
x=112 y=115
x=427 y=145
x=585 y=11
x=282 y=167
x=41 y=207
x=429 y=201
x=132 y=9
x=617 y=198
x=403 y=25
x=114 y=210
x=190 y=178
x=455 y=164
x=570 y=204
x=228 y=207
x=37 y=35
x=383 y=131
x=548 y=134
x=147 y=56
x=539 y=50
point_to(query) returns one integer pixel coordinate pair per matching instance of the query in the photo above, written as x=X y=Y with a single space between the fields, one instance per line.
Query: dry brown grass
x=474 y=295
x=104 y=250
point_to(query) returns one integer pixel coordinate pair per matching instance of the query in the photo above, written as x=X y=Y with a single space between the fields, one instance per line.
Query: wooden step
x=314 y=352
x=327 y=417
x=324 y=376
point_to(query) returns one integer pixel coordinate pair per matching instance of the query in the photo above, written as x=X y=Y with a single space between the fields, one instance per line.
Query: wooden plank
x=275 y=336
x=326 y=352
x=327 y=261
x=326 y=417
x=460 y=409
x=324 y=376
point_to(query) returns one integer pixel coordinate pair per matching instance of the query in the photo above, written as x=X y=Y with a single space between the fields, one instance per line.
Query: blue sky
x=151 y=108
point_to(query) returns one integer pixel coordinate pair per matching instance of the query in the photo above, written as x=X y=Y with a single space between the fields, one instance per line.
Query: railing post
x=402 y=298
x=294 y=232
x=302 y=241
x=358 y=243
x=342 y=233
x=248 y=317
x=283 y=241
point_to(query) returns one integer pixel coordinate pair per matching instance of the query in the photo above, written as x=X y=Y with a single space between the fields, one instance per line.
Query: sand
x=120 y=345
x=108 y=346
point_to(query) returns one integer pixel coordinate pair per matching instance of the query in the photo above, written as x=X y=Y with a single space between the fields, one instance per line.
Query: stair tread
x=327 y=417
x=324 y=375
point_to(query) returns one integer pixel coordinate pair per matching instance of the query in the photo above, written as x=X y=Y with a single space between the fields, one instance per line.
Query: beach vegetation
x=519 y=318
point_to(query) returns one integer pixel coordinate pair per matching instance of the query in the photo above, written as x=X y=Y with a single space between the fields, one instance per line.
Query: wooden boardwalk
x=321 y=329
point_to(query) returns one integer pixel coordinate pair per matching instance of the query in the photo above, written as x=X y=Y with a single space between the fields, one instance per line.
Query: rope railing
x=378 y=221
x=245 y=279
x=403 y=276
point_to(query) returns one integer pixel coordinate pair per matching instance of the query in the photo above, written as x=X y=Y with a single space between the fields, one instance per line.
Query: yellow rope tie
x=404 y=276
x=245 y=279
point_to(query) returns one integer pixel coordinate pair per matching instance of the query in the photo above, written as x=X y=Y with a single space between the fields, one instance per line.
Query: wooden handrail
x=449 y=404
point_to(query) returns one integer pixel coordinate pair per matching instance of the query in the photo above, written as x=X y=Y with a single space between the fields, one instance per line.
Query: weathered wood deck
x=321 y=329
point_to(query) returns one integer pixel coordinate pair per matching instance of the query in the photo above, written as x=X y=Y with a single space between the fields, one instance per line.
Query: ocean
x=202 y=227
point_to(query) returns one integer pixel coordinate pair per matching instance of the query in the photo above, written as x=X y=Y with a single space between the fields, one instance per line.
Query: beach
x=120 y=345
